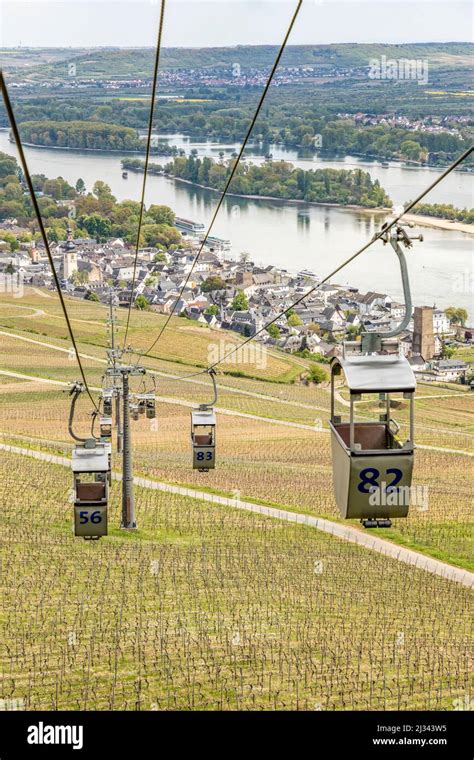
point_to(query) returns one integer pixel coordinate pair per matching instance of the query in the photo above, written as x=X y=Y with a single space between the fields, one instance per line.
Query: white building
x=441 y=323
x=397 y=311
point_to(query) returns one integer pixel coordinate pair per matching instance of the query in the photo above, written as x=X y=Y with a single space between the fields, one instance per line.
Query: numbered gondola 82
x=372 y=468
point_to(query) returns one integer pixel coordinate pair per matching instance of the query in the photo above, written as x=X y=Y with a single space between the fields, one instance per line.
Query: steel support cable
x=16 y=134
x=147 y=160
x=230 y=177
x=367 y=245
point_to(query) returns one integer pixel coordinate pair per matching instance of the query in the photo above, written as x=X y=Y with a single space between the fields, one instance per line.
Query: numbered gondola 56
x=90 y=522
x=372 y=468
x=90 y=466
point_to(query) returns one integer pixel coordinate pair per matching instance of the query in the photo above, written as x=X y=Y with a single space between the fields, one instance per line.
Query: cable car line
x=361 y=250
x=16 y=134
x=231 y=175
x=147 y=159
x=377 y=236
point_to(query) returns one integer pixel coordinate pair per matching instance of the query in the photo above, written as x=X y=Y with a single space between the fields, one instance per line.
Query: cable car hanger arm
x=212 y=374
x=75 y=392
x=371 y=341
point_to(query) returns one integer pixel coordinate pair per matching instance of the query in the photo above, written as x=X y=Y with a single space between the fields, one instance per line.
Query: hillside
x=273 y=429
x=138 y=62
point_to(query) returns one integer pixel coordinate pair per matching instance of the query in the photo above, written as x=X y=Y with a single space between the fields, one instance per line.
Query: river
x=297 y=236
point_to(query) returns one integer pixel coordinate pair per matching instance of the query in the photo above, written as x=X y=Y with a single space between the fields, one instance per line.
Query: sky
x=208 y=23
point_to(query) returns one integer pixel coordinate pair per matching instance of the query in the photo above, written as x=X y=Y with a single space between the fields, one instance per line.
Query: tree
x=317 y=374
x=102 y=190
x=447 y=352
x=10 y=269
x=273 y=331
x=411 y=150
x=80 y=186
x=240 y=302
x=213 y=309
x=213 y=282
x=457 y=316
x=294 y=320
x=142 y=303
x=90 y=296
x=9 y=238
x=97 y=226
x=79 y=277
x=52 y=233
x=353 y=331
x=314 y=328
x=161 y=215
x=157 y=234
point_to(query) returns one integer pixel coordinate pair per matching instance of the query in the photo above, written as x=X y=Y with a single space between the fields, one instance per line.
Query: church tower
x=69 y=256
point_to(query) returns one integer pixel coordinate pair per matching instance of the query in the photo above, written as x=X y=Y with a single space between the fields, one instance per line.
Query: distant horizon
x=227 y=23
x=230 y=47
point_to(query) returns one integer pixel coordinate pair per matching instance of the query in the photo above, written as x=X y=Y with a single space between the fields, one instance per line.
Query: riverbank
x=293 y=235
x=122 y=151
x=440 y=224
x=369 y=158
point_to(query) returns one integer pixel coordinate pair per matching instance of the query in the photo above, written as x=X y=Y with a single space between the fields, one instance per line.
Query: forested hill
x=138 y=62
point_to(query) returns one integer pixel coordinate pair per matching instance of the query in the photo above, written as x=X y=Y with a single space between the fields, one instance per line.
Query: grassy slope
x=221 y=610
x=279 y=465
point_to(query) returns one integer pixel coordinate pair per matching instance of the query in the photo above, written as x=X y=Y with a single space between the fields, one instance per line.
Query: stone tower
x=423 y=338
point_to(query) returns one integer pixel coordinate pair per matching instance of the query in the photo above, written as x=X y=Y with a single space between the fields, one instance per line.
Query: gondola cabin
x=106 y=427
x=150 y=406
x=372 y=468
x=90 y=466
x=203 y=439
x=107 y=405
